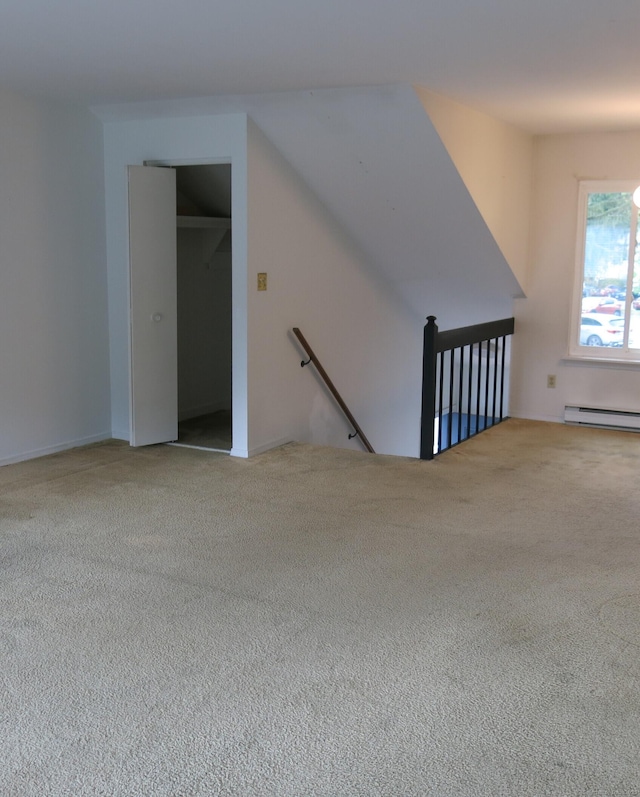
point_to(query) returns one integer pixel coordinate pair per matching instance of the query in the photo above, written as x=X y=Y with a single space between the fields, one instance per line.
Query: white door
x=153 y=310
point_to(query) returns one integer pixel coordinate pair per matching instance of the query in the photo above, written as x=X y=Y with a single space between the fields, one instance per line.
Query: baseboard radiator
x=610 y=419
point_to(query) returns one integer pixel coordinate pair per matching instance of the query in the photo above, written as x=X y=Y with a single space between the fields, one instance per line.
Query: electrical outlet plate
x=262 y=281
x=551 y=380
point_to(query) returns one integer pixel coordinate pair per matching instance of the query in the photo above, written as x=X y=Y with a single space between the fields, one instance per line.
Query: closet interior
x=204 y=249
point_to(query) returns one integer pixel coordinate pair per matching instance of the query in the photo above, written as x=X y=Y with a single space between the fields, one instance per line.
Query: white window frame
x=599 y=353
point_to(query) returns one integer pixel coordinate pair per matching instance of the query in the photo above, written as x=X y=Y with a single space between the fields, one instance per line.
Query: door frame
x=173 y=133
x=239 y=413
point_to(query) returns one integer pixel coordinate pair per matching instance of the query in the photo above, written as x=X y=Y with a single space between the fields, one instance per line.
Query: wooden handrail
x=332 y=388
x=464 y=336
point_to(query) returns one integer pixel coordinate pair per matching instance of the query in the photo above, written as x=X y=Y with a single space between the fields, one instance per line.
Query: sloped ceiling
x=496 y=162
x=376 y=161
x=377 y=164
x=206 y=189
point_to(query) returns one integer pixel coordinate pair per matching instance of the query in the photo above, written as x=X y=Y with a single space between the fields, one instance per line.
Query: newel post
x=427 y=422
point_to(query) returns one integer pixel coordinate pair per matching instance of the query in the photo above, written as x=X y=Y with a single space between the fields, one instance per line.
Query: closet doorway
x=204 y=256
x=180 y=312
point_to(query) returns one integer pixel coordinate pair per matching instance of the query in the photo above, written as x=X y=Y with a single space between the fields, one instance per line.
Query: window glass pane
x=606 y=265
x=634 y=323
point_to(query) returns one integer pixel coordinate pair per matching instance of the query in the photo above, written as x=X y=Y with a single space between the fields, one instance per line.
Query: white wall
x=369 y=342
x=373 y=157
x=540 y=344
x=356 y=152
x=186 y=140
x=495 y=160
x=54 y=365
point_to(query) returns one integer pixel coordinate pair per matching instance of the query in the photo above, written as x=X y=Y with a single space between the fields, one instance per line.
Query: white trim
x=578 y=269
x=235 y=260
x=628 y=420
x=576 y=351
x=619 y=356
x=252 y=452
x=221 y=161
x=189 y=139
x=43 y=452
x=532 y=416
x=601 y=362
x=241 y=453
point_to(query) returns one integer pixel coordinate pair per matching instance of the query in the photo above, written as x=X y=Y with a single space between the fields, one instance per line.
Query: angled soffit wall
x=376 y=162
x=495 y=161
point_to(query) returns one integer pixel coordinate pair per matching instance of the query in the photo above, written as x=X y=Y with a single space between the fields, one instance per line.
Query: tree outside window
x=607 y=306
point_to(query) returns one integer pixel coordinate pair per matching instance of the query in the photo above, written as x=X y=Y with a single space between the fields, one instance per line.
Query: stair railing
x=332 y=388
x=460 y=399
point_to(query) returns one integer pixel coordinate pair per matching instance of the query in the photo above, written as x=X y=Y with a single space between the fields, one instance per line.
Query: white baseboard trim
x=526 y=416
x=245 y=453
x=627 y=420
x=43 y=452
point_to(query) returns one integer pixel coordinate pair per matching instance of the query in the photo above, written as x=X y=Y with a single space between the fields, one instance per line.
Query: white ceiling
x=545 y=65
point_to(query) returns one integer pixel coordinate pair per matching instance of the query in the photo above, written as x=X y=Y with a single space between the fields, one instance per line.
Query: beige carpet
x=324 y=622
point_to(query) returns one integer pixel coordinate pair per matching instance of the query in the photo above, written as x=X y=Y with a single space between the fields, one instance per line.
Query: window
x=606 y=308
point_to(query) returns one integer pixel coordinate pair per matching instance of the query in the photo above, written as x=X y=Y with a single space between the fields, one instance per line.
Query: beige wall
x=495 y=161
x=542 y=320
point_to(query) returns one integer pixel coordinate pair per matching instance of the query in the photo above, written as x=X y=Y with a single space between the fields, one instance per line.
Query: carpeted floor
x=323 y=622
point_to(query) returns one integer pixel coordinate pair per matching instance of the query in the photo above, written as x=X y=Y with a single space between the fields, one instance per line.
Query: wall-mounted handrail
x=313 y=359
x=451 y=354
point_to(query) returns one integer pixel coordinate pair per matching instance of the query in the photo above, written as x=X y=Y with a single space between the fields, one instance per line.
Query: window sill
x=600 y=362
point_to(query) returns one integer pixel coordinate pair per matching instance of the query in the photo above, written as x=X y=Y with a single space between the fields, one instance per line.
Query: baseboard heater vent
x=610 y=419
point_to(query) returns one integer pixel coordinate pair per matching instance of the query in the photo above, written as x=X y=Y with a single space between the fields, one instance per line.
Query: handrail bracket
x=332 y=388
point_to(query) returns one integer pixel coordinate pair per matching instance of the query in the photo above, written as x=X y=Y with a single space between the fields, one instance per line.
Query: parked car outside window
x=608 y=306
x=634 y=329
x=601 y=330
